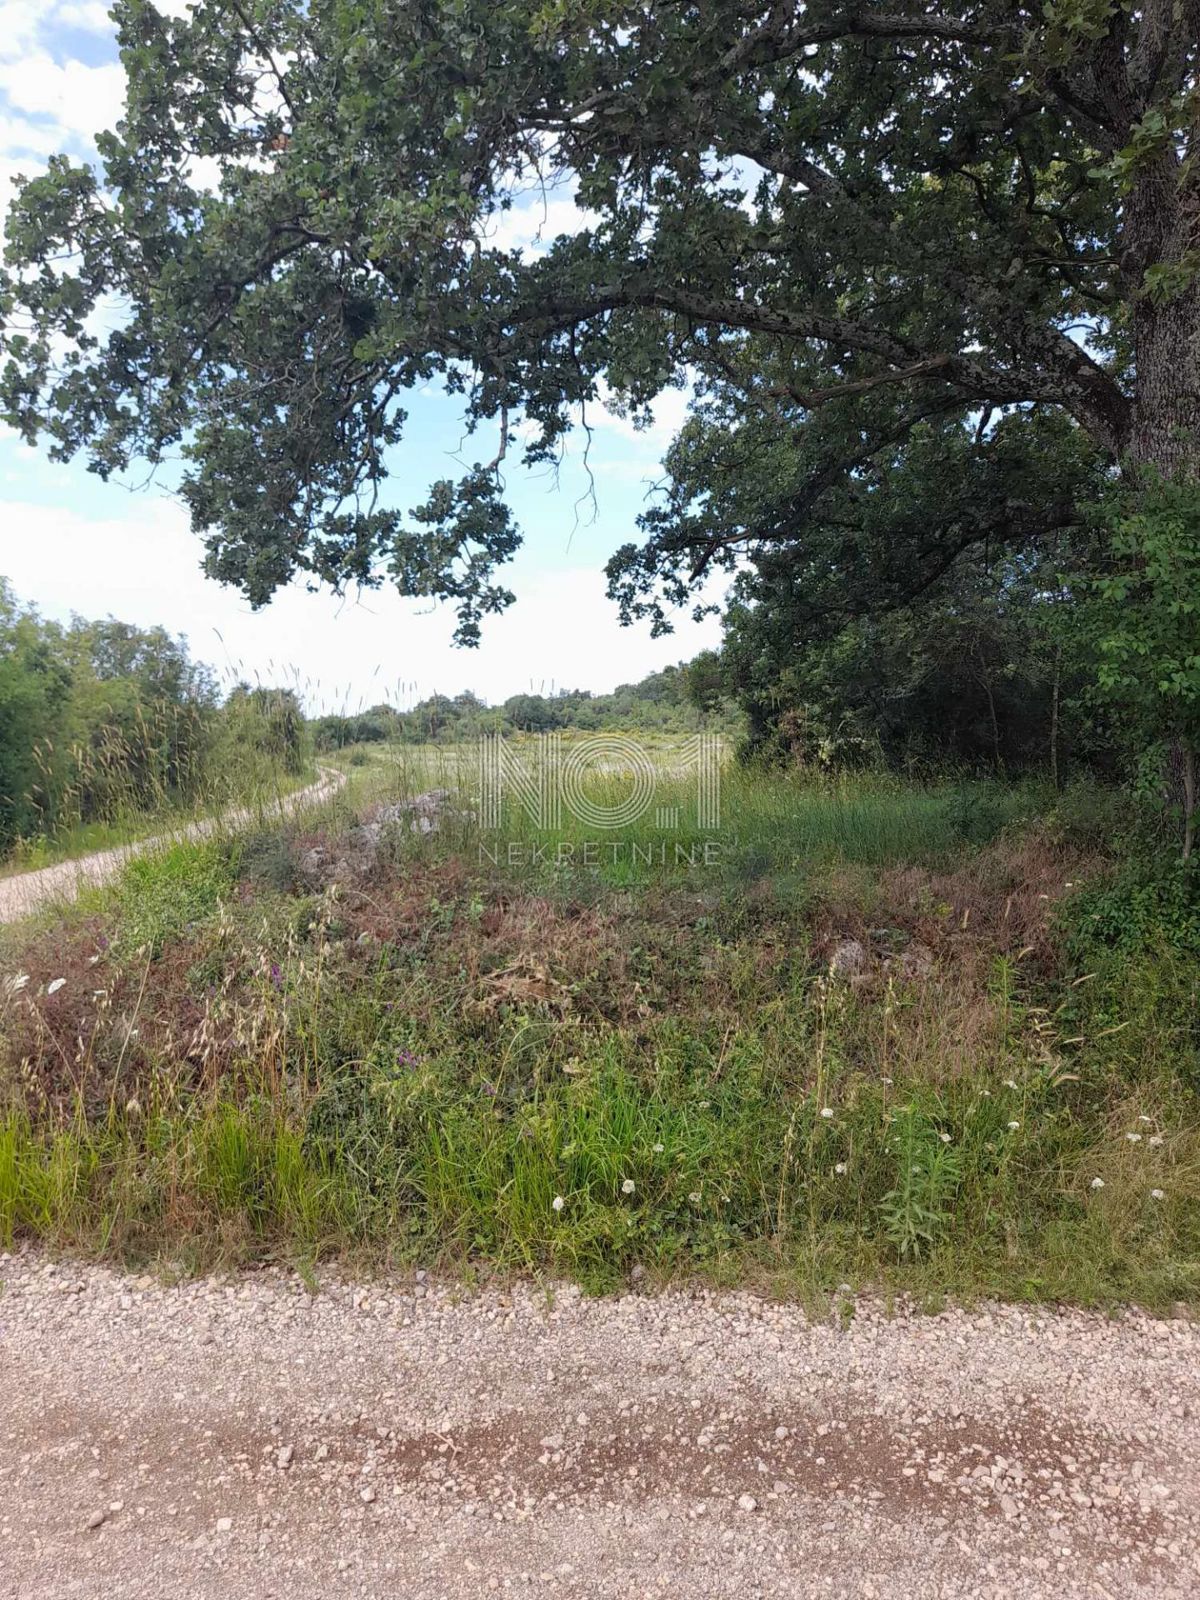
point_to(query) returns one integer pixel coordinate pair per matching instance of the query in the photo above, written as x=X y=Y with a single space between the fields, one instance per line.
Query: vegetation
x=891 y=1032
x=663 y=702
x=923 y=1010
x=931 y=274
x=104 y=725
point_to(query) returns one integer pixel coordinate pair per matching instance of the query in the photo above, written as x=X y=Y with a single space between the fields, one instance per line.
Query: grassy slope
x=421 y=1057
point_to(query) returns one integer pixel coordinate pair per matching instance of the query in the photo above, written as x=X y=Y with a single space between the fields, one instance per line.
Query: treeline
x=99 y=720
x=996 y=666
x=663 y=702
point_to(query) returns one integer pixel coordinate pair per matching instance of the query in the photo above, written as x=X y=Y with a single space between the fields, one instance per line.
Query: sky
x=72 y=544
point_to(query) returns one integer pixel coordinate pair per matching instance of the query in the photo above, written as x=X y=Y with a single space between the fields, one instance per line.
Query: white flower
x=55 y=985
x=1097 y=1183
x=840 y=1168
x=658 y=1149
x=695 y=1197
x=826 y=1111
x=1157 y=1194
x=557 y=1203
x=628 y=1186
x=1013 y=1126
x=1155 y=1139
x=1134 y=1138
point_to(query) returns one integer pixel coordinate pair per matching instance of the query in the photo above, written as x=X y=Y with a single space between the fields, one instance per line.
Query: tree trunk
x=1162 y=231
x=1054 y=772
x=1189 y=799
x=1166 y=411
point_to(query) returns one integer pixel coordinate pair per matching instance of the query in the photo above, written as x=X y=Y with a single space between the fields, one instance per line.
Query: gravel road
x=26 y=892
x=247 y=1438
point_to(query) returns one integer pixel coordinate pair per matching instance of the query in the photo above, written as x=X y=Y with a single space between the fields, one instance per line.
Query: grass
x=276 y=1047
x=130 y=823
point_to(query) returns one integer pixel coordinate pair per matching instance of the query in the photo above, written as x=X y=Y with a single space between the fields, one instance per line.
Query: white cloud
x=532 y=227
x=90 y=16
x=561 y=633
x=82 y=100
x=668 y=411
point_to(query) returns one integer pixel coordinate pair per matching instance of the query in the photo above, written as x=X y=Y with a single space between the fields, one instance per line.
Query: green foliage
x=662 y=702
x=1143 y=617
x=916 y=1211
x=167 y=891
x=264 y=731
x=859 y=266
x=106 y=727
x=97 y=720
x=980 y=673
x=426 y=1067
x=1151 y=901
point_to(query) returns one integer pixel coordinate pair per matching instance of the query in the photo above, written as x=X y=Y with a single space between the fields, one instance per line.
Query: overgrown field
x=924 y=1036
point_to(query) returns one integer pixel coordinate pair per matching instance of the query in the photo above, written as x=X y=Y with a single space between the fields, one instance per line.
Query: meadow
x=921 y=1035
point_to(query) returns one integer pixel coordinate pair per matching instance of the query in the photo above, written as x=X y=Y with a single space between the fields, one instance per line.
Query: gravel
x=23 y=893
x=250 y=1438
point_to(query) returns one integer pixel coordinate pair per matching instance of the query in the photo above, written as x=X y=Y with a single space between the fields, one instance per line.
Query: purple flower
x=276 y=975
x=406 y=1060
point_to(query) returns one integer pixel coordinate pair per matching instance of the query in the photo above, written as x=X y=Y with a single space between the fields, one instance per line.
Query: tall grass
x=558 y=1066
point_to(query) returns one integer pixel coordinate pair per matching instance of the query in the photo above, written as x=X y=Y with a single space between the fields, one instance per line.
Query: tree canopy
x=875 y=239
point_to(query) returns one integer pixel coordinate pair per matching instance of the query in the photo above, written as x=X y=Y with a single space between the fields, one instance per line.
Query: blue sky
x=72 y=544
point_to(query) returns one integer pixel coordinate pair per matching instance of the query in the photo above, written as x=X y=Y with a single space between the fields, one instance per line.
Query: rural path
x=250 y=1439
x=26 y=892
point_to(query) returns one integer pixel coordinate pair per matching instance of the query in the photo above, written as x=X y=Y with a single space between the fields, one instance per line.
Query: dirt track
x=250 y=1439
x=26 y=892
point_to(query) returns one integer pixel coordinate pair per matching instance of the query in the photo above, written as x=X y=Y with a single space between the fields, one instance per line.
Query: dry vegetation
x=859 y=1048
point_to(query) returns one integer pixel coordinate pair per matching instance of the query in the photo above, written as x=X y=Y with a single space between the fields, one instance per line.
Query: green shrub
x=165 y=892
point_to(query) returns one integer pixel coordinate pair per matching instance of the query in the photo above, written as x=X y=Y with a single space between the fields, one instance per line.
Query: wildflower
x=1013 y=1126
x=406 y=1060
x=658 y=1149
x=1157 y=1194
x=276 y=975
x=826 y=1111
x=1097 y=1183
x=628 y=1186
x=1155 y=1139
x=1134 y=1138
x=695 y=1197
x=55 y=985
x=840 y=1168
x=557 y=1203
